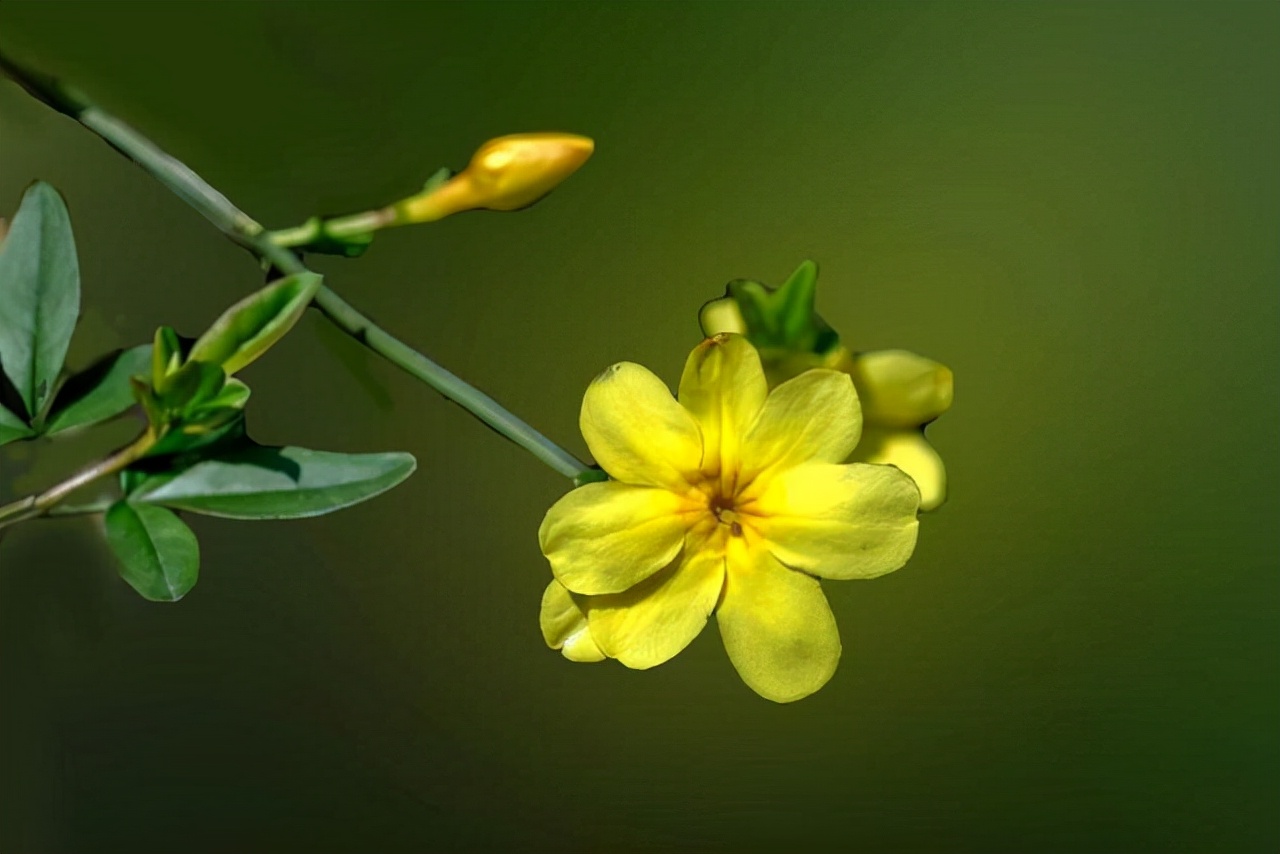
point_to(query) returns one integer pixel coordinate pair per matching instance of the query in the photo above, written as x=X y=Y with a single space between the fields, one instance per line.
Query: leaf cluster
x=198 y=456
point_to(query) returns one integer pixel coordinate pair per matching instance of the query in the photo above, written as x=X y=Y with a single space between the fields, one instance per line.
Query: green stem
x=248 y=233
x=44 y=503
x=479 y=404
x=338 y=228
x=93 y=508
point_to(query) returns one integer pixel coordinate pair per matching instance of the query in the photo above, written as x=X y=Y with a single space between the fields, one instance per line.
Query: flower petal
x=564 y=625
x=637 y=432
x=777 y=626
x=839 y=521
x=653 y=621
x=899 y=388
x=813 y=417
x=909 y=450
x=605 y=537
x=723 y=386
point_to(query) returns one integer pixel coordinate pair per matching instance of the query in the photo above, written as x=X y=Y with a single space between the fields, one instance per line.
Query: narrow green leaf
x=12 y=427
x=99 y=392
x=166 y=357
x=795 y=302
x=249 y=328
x=277 y=483
x=159 y=555
x=39 y=295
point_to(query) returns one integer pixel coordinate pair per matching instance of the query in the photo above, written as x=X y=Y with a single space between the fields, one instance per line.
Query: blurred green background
x=1074 y=206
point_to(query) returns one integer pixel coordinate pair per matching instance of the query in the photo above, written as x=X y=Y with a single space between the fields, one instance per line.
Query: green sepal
x=437 y=179
x=590 y=475
x=159 y=555
x=257 y=482
x=250 y=327
x=780 y=320
x=39 y=297
x=99 y=392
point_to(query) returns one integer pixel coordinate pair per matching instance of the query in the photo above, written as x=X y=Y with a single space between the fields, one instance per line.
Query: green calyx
x=781 y=319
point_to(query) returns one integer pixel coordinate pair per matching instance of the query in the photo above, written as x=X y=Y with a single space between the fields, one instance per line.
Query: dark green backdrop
x=1075 y=206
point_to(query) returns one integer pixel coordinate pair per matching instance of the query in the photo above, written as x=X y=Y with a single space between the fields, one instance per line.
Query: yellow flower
x=733 y=500
x=505 y=174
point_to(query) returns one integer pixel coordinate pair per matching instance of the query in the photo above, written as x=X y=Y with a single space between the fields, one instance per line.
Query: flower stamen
x=726 y=514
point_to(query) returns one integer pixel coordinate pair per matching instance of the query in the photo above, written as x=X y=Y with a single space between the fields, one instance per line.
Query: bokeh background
x=1074 y=206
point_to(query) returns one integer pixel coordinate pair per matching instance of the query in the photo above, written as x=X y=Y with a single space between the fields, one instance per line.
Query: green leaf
x=249 y=328
x=233 y=395
x=796 y=299
x=277 y=483
x=99 y=392
x=39 y=295
x=159 y=555
x=166 y=357
x=131 y=478
x=192 y=385
x=12 y=427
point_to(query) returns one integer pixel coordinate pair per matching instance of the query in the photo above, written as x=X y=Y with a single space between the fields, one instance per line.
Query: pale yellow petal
x=777 y=626
x=564 y=625
x=899 y=388
x=813 y=417
x=909 y=450
x=637 y=432
x=605 y=537
x=653 y=621
x=723 y=386
x=838 y=521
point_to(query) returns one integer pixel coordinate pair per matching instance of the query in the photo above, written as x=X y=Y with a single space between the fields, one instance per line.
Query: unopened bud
x=899 y=388
x=505 y=174
x=720 y=316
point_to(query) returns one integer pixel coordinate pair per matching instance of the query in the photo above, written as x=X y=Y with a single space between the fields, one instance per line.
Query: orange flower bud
x=505 y=174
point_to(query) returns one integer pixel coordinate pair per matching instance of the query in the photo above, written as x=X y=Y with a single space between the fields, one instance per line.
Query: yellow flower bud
x=899 y=388
x=505 y=174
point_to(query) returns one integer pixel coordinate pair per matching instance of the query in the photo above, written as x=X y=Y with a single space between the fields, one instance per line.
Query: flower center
x=722 y=509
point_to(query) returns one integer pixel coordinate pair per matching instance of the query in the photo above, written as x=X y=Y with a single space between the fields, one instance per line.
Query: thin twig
x=248 y=233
